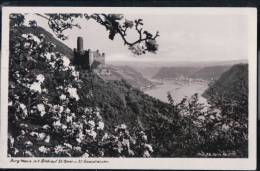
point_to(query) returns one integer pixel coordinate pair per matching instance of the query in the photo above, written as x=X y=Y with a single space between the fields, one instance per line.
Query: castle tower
x=82 y=57
x=87 y=59
x=80 y=44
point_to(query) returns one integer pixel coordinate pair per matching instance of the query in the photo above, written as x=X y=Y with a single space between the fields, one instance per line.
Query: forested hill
x=205 y=73
x=127 y=73
x=230 y=93
x=232 y=85
x=122 y=103
x=211 y=72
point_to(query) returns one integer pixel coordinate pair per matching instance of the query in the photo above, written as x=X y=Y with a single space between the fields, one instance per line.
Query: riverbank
x=178 y=89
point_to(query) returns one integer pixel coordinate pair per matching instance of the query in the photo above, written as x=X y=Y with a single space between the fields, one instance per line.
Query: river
x=178 y=89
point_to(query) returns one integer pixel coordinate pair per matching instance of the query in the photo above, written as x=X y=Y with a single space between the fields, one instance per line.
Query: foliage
x=208 y=132
x=115 y=24
x=229 y=94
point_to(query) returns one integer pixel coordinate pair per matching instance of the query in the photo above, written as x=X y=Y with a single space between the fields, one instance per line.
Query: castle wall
x=99 y=57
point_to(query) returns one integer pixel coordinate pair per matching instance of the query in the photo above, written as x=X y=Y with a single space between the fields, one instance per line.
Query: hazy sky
x=183 y=37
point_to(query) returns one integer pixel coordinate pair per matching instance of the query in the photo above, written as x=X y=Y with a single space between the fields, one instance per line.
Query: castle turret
x=80 y=44
x=81 y=56
x=87 y=59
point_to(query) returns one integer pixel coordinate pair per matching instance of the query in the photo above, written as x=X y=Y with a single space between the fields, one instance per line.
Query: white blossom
x=28 y=143
x=28 y=154
x=77 y=148
x=75 y=74
x=80 y=136
x=57 y=109
x=44 y=90
x=64 y=127
x=100 y=125
x=91 y=133
x=41 y=136
x=11 y=139
x=225 y=127
x=36 y=87
x=85 y=155
x=34 y=134
x=212 y=117
x=48 y=55
x=45 y=127
x=16 y=151
x=66 y=61
x=43 y=149
x=123 y=126
x=144 y=137
x=47 y=139
x=58 y=149
x=40 y=78
x=146 y=153
x=105 y=137
x=62 y=97
x=36 y=39
x=201 y=118
x=42 y=36
x=26 y=45
x=73 y=93
x=52 y=64
x=67 y=111
x=41 y=109
x=56 y=124
x=91 y=124
x=67 y=145
x=24 y=109
x=149 y=147
x=24 y=35
x=69 y=119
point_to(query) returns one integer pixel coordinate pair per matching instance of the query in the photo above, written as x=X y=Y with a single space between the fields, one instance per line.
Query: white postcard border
x=133 y=163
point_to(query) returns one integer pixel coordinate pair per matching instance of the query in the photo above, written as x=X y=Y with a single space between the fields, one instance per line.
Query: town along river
x=178 y=89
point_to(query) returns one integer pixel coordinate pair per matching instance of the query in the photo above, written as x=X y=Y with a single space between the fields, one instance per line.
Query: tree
x=115 y=24
x=48 y=115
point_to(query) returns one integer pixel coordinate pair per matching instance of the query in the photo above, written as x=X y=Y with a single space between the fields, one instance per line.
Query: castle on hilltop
x=88 y=59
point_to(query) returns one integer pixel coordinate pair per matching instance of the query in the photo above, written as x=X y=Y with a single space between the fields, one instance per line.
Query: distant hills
x=128 y=74
x=168 y=70
x=210 y=73
x=175 y=72
x=232 y=86
x=205 y=73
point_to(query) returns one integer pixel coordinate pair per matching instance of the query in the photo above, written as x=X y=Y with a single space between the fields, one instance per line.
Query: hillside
x=175 y=72
x=60 y=47
x=206 y=73
x=210 y=73
x=148 y=69
x=128 y=74
x=232 y=87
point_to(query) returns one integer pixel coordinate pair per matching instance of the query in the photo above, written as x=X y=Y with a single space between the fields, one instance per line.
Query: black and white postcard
x=128 y=88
